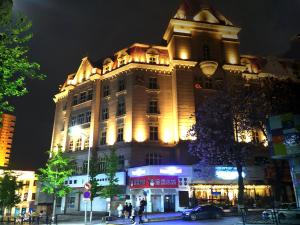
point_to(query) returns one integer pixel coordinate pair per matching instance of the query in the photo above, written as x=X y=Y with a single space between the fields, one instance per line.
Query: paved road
x=223 y=221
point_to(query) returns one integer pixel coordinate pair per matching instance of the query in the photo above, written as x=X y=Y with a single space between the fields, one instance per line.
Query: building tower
x=6 y=135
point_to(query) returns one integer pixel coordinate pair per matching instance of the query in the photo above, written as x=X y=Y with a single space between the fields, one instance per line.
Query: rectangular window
x=71 y=202
x=80 y=118
x=105 y=90
x=102 y=165
x=75 y=100
x=90 y=94
x=121 y=107
x=78 y=144
x=73 y=121
x=35 y=183
x=83 y=97
x=153 y=83
x=121 y=161
x=120 y=134
x=33 y=196
x=71 y=145
x=153 y=106
x=86 y=143
x=85 y=164
x=105 y=113
x=121 y=84
x=103 y=138
x=88 y=116
x=153 y=133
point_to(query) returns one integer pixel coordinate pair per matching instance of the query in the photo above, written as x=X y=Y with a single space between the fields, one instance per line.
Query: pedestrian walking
x=133 y=214
x=126 y=212
x=120 y=210
x=140 y=213
x=129 y=210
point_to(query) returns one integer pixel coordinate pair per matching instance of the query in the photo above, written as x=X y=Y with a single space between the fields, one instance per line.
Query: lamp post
x=77 y=131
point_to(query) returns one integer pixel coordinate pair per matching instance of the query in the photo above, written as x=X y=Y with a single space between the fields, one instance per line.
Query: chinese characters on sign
x=154 y=182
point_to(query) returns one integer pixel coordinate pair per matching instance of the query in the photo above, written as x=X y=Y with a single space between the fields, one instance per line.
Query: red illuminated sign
x=154 y=182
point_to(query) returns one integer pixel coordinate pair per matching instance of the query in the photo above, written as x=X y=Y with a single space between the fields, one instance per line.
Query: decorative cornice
x=130 y=66
x=187 y=63
x=95 y=76
x=60 y=95
x=234 y=68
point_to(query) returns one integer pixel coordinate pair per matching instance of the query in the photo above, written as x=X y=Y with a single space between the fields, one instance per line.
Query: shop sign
x=154 y=182
x=227 y=173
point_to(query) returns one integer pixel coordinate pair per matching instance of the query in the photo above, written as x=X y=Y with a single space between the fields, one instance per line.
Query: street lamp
x=77 y=131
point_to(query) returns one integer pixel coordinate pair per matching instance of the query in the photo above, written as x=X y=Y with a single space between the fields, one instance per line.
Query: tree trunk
x=109 y=207
x=241 y=185
x=54 y=206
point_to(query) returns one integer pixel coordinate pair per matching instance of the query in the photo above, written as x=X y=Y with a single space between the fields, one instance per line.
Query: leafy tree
x=222 y=120
x=109 y=191
x=15 y=66
x=9 y=187
x=94 y=170
x=53 y=176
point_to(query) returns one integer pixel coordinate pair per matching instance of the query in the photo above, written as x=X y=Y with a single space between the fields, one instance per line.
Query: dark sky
x=65 y=31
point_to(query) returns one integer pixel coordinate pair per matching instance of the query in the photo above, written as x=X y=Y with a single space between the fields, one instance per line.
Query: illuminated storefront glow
x=170 y=170
x=227 y=173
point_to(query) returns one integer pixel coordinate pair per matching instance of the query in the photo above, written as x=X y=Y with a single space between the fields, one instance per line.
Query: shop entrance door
x=156 y=203
x=169 y=203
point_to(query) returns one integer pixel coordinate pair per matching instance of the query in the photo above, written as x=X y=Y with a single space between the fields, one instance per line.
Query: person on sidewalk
x=125 y=209
x=133 y=214
x=120 y=210
x=140 y=213
x=129 y=209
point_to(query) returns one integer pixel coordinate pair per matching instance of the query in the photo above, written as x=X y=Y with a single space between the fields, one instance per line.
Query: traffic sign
x=87 y=194
x=87 y=186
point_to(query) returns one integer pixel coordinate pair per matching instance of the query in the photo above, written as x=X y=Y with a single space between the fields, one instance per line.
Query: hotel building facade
x=6 y=137
x=143 y=101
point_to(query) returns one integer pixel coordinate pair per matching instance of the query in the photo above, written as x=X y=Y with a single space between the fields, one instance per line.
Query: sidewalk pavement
x=155 y=217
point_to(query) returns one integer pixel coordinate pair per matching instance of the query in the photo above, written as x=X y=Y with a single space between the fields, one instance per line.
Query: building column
x=162 y=202
x=149 y=203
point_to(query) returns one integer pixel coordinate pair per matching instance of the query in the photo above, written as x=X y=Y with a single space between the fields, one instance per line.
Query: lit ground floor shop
x=165 y=188
x=228 y=194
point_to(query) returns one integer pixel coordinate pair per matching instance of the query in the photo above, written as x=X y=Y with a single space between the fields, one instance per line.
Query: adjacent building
x=143 y=99
x=27 y=193
x=6 y=137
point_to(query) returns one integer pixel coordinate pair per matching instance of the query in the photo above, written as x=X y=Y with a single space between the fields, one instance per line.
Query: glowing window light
x=138 y=172
x=171 y=170
x=227 y=173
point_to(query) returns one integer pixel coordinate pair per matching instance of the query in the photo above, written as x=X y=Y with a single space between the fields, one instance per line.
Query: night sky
x=65 y=31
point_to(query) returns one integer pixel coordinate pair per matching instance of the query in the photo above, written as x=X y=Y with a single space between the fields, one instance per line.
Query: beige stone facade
x=143 y=99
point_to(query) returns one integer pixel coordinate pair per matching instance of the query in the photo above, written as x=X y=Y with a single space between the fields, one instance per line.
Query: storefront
x=165 y=188
x=219 y=185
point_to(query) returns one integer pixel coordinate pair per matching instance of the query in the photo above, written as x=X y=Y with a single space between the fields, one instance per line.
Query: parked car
x=203 y=212
x=283 y=211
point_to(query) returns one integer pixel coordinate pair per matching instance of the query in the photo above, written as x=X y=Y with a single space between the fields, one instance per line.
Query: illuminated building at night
x=142 y=101
x=6 y=137
x=27 y=193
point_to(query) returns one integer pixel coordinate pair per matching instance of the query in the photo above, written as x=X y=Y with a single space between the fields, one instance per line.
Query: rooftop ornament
x=208 y=67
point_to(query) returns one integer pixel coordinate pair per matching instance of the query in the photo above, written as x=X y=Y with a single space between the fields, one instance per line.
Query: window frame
x=120 y=135
x=153 y=133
